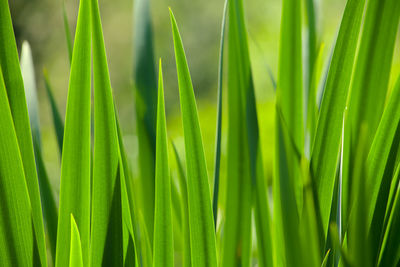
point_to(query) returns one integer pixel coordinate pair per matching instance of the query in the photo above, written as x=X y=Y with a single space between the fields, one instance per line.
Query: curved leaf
x=202 y=233
x=16 y=97
x=145 y=88
x=75 y=257
x=107 y=232
x=163 y=253
x=75 y=162
x=16 y=235
x=325 y=153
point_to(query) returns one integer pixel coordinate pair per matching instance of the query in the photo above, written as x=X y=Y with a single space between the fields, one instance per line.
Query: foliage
x=335 y=189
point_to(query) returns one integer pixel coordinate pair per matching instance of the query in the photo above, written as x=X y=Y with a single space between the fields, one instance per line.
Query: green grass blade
x=309 y=227
x=202 y=233
x=16 y=235
x=381 y=165
x=57 y=120
x=163 y=252
x=48 y=203
x=290 y=91
x=146 y=255
x=312 y=105
x=145 y=82
x=67 y=32
x=75 y=174
x=128 y=234
x=236 y=241
x=75 y=257
x=312 y=51
x=106 y=238
x=217 y=161
x=241 y=76
x=286 y=216
x=16 y=96
x=325 y=260
x=186 y=260
x=357 y=229
x=390 y=251
x=28 y=76
x=290 y=88
x=325 y=153
x=290 y=101
x=374 y=60
x=128 y=203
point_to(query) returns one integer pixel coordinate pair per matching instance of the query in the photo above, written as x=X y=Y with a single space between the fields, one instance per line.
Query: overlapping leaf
x=325 y=152
x=16 y=97
x=202 y=233
x=75 y=163
x=163 y=244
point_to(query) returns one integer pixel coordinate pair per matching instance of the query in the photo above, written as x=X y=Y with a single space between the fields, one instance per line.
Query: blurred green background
x=40 y=22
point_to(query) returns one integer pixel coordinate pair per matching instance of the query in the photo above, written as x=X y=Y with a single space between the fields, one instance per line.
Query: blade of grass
x=312 y=51
x=106 y=239
x=290 y=71
x=16 y=236
x=145 y=81
x=290 y=101
x=325 y=260
x=285 y=206
x=57 y=120
x=325 y=153
x=75 y=162
x=202 y=232
x=28 y=76
x=381 y=166
x=48 y=203
x=390 y=251
x=357 y=230
x=311 y=243
x=236 y=240
x=372 y=70
x=312 y=106
x=186 y=260
x=128 y=234
x=240 y=67
x=75 y=257
x=217 y=160
x=67 y=32
x=128 y=202
x=163 y=252
x=16 y=97
x=290 y=88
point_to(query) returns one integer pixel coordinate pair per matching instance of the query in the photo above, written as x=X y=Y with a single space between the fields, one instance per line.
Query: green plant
x=335 y=186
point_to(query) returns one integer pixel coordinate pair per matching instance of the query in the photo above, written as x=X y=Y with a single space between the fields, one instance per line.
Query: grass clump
x=334 y=191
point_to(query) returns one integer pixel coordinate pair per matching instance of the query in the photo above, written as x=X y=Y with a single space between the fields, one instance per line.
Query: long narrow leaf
x=202 y=233
x=48 y=202
x=325 y=153
x=106 y=237
x=75 y=163
x=217 y=161
x=372 y=70
x=381 y=165
x=16 y=236
x=16 y=96
x=186 y=260
x=67 y=32
x=236 y=242
x=163 y=244
x=75 y=257
x=57 y=121
x=145 y=83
